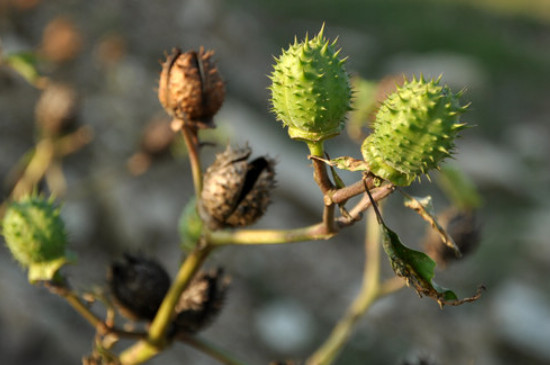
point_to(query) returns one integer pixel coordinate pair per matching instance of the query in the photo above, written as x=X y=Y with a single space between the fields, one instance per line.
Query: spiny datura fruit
x=310 y=90
x=35 y=235
x=414 y=131
x=236 y=191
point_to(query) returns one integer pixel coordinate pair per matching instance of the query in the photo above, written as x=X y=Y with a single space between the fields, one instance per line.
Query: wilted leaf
x=417 y=269
x=423 y=206
x=345 y=163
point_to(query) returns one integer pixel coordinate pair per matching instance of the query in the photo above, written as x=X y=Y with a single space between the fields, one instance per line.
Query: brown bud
x=190 y=87
x=462 y=227
x=138 y=286
x=56 y=109
x=236 y=192
x=201 y=302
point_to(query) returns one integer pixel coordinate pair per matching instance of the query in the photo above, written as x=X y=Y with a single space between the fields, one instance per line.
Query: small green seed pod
x=36 y=237
x=414 y=131
x=310 y=89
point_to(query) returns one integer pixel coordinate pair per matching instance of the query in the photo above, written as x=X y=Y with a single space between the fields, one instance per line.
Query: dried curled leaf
x=344 y=163
x=417 y=269
x=423 y=206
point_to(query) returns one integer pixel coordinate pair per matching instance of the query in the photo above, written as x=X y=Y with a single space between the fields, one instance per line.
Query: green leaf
x=25 y=64
x=418 y=270
x=423 y=206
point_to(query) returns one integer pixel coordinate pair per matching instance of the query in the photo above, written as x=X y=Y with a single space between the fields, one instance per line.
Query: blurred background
x=123 y=192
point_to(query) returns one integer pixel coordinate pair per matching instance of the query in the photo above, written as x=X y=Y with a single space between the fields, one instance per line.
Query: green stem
x=267 y=237
x=192 y=263
x=369 y=293
x=316 y=149
x=320 y=174
x=144 y=350
x=84 y=311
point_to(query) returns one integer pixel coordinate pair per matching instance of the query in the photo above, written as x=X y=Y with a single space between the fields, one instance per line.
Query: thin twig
x=213 y=351
x=355 y=213
x=268 y=237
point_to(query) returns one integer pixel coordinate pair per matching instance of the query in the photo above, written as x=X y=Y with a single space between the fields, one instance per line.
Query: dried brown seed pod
x=61 y=40
x=236 y=191
x=201 y=302
x=190 y=87
x=138 y=286
x=462 y=227
x=56 y=109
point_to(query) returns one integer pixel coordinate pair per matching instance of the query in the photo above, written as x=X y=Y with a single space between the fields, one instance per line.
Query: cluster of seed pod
x=138 y=286
x=235 y=192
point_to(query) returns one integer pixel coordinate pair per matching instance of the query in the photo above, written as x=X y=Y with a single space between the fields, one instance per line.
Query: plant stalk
x=192 y=143
x=267 y=237
x=371 y=290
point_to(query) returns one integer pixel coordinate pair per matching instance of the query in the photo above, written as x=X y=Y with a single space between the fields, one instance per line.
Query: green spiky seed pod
x=36 y=237
x=310 y=90
x=414 y=131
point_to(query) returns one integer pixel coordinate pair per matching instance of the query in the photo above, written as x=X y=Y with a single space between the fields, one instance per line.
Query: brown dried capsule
x=138 y=286
x=190 y=87
x=201 y=302
x=462 y=227
x=236 y=192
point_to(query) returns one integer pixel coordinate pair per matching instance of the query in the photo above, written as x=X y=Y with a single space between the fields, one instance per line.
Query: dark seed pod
x=236 y=192
x=201 y=302
x=138 y=286
x=190 y=87
x=462 y=227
